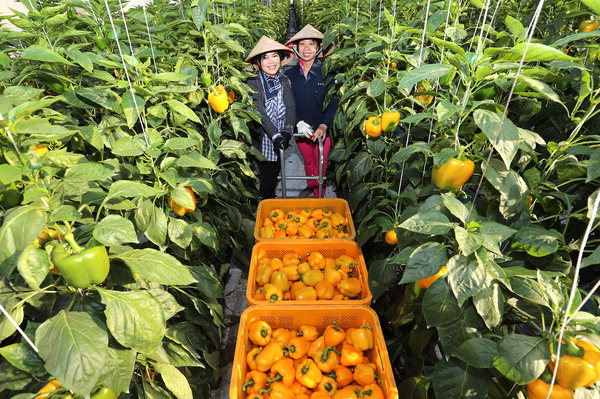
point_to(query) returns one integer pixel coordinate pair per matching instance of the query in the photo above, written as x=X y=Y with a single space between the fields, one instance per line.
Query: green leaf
x=115 y=230
x=468 y=241
x=33 y=265
x=376 y=87
x=180 y=143
x=489 y=302
x=74 y=348
x=425 y=261
x=129 y=189
x=168 y=302
x=466 y=276
x=537 y=52
x=454 y=334
x=594 y=5
x=65 y=213
x=537 y=241
x=530 y=290
x=360 y=166
x=439 y=304
x=62 y=158
x=501 y=132
x=29 y=107
x=199 y=13
x=514 y=26
x=195 y=160
x=81 y=58
x=23 y=357
x=512 y=187
x=15 y=309
x=183 y=197
x=9 y=174
x=206 y=233
x=180 y=232
x=425 y=72
x=593 y=170
x=455 y=207
x=430 y=222
x=541 y=88
x=40 y=53
x=152 y=221
x=233 y=149
x=174 y=380
x=454 y=379
x=12 y=378
x=382 y=275
x=478 y=352
x=129 y=146
x=133 y=106
x=83 y=172
x=103 y=97
x=170 y=77
x=157 y=266
x=592 y=259
x=118 y=369
x=522 y=358
x=135 y=319
x=455 y=48
x=19 y=94
x=19 y=228
x=183 y=110
x=209 y=282
x=41 y=129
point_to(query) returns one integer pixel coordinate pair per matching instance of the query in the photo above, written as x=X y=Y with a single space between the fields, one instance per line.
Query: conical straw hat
x=266 y=45
x=310 y=32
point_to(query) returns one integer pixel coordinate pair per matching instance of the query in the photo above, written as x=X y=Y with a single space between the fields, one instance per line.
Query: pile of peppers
x=304 y=364
x=386 y=122
x=579 y=367
x=304 y=223
x=310 y=278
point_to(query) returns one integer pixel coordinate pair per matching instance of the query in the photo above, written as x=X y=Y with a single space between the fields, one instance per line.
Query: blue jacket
x=309 y=94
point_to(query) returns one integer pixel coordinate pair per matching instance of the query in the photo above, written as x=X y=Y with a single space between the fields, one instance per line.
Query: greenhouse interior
x=305 y=199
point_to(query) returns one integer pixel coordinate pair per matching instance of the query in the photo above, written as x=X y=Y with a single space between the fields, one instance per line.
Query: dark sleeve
x=329 y=111
x=290 y=106
x=267 y=126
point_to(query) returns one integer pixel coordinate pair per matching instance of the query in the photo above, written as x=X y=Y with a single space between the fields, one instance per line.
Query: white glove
x=305 y=129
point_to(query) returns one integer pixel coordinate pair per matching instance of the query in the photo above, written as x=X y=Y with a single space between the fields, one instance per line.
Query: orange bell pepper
x=282 y=336
x=297 y=347
x=267 y=232
x=317 y=214
x=276 y=264
x=372 y=391
x=327 y=360
x=312 y=277
x=255 y=381
x=345 y=263
x=263 y=274
x=251 y=358
x=332 y=276
x=315 y=259
x=350 y=287
x=362 y=338
x=373 y=126
x=260 y=333
x=217 y=98
x=306 y=294
x=279 y=390
x=269 y=355
x=345 y=393
x=283 y=370
x=309 y=333
x=328 y=385
x=295 y=287
x=303 y=268
x=324 y=290
x=320 y=395
x=291 y=272
x=52 y=385
x=255 y=396
x=276 y=215
x=364 y=374
x=389 y=121
x=308 y=374
x=342 y=375
x=334 y=335
x=279 y=279
x=298 y=388
x=305 y=231
x=338 y=221
x=350 y=355
x=272 y=293
x=317 y=346
x=349 y=332
x=291 y=259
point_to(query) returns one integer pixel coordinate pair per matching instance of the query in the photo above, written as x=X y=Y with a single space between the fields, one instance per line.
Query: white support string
x=486 y=8
x=476 y=27
x=379 y=17
x=424 y=33
x=126 y=29
x=150 y=38
x=16 y=325
x=127 y=73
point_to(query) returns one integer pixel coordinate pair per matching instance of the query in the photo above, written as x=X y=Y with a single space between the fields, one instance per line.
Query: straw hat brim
x=266 y=45
x=310 y=32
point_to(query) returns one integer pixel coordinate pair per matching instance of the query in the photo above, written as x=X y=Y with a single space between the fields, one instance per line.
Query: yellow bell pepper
x=272 y=293
x=279 y=279
x=349 y=287
x=263 y=274
x=260 y=333
x=452 y=174
x=306 y=294
x=268 y=356
x=362 y=338
x=308 y=374
x=312 y=277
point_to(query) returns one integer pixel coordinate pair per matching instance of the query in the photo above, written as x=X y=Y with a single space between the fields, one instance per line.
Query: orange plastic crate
x=289 y=204
x=293 y=317
x=329 y=249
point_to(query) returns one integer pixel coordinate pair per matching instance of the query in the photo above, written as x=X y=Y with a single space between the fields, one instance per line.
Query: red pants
x=310 y=152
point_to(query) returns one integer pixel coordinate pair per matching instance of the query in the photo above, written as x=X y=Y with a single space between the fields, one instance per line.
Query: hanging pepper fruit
x=217 y=98
x=538 y=389
x=272 y=293
x=283 y=370
x=350 y=355
x=349 y=287
x=423 y=99
x=452 y=174
x=52 y=385
x=45 y=236
x=578 y=367
x=389 y=121
x=427 y=281
x=308 y=374
x=297 y=347
x=260 y=333
x=268 y=356
x=373 y=127
x=254 y=381
x=362 y=338
x=100 y=42
x=40 y=150
x=179 y=209
x=80 y=267
x=105 y=393
x=206 y=79
x=334 y=335
x=364 y=374
x=231 y=97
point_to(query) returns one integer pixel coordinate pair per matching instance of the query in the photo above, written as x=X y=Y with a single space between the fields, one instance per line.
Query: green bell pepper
x=105 y=393
x=80 y=267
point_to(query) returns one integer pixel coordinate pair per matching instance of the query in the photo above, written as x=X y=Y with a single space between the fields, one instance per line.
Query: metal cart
x=320 y=178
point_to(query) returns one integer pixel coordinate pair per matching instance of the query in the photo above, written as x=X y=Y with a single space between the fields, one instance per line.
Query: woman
x=309 y=88
x=275 y=102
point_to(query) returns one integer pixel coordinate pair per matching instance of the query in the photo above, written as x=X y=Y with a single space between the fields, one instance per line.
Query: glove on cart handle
x=282 y=140
x=305 y=129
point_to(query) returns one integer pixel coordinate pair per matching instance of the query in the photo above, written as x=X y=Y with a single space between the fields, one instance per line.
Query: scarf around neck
x=271 y=85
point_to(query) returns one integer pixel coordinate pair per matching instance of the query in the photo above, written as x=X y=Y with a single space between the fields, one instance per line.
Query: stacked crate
x=320 y=313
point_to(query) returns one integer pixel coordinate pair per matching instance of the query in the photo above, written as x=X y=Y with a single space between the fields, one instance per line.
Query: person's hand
x=305 y=129
x=320 y=132
x=281 y=141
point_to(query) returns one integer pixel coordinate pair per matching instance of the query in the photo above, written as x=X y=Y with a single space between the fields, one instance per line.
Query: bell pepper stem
x=278 y=377
x=572 y=349
x=249 y=383
x=71 y=240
